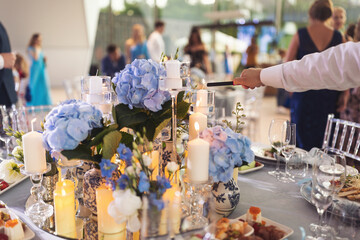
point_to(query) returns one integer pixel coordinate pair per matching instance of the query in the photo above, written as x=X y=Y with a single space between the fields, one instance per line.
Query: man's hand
x=9 y=59
x=249 y=78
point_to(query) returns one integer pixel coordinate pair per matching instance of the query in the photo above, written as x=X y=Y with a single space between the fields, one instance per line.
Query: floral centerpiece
x=76 y=129
x=135 y=183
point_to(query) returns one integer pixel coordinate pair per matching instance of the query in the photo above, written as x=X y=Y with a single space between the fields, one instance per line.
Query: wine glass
x=327 y=178
x=278 y=139
x=288 y=151
x=6 y=123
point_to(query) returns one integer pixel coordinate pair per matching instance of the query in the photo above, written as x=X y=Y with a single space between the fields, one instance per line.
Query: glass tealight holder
x=98 y=91
x=203 y=101
x=39 y=211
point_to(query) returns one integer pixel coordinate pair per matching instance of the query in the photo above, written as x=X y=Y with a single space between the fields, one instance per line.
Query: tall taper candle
x=34 y=152
x=64 y=204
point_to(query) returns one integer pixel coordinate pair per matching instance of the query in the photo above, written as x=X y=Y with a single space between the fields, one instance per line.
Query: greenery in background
x=239 y=116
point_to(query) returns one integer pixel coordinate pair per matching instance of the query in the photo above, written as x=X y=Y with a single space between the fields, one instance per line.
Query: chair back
x=342 y=136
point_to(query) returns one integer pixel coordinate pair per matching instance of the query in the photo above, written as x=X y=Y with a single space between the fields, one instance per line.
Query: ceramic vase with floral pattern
x=226 y=196
x=92 y=180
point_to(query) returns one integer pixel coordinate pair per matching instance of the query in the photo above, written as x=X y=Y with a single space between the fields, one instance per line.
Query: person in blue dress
x=38 y=80
x=136 y=47
x=309 y=110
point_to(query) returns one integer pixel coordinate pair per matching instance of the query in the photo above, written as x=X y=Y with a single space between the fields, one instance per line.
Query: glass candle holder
x=203 y=101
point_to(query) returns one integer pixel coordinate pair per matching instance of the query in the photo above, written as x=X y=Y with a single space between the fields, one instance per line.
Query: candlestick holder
x=197 y=194
x=39 y=211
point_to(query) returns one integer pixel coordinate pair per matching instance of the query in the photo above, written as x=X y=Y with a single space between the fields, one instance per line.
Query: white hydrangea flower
x=172 y=167
x=125 y=207
x=147 y=159
x=10 y=171
x=130 y=170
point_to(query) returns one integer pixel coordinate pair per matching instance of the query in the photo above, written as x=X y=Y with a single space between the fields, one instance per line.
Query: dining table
x=280 y=202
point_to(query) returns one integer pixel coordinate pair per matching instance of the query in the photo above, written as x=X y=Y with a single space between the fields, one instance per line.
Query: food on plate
x=253 y=164
x=3 y=185
x=4 y=216
x=14 y=230
x=2 y=205
x=351 y=189
x=268 y=232
x=270 y=152
x=254 y=218
x=3 y=237
x=10 y=171
x=230 y=230
x=253 y=215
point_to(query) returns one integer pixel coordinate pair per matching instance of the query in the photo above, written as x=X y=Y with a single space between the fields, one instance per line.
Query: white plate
x=259 y=150
x=339 y=169
x=252 y=169
x=351 y=171
x=249 y=230
x=28 y=233
x=11 y=185
x=268 y=222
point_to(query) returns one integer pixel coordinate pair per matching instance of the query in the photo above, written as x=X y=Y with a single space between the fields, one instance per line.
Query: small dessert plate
x=268 y=222
x=251 y=169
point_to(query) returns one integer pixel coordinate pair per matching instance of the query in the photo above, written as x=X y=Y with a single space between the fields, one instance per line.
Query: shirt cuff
x=1 y=62
x=272 y=76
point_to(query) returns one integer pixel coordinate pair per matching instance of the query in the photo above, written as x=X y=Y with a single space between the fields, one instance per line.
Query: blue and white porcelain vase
x=226 y=196
x=92 y=180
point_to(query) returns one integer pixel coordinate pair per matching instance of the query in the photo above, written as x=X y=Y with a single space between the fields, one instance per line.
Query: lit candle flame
x=32 y=124
x=197 y=104
x=197 y=128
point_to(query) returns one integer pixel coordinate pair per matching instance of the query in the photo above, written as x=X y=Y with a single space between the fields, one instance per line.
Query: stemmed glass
x=329 y=172
x=288 y=151
x=278 y=139
x=6 y=121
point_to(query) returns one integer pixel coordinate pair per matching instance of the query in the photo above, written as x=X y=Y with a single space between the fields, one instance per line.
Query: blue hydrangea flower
x=144 y=184
x=68 y=124
x=125 y=154
x=138 y=85
x=154 y=201
x=107 y=168
x=227 y=150
x=123 y=181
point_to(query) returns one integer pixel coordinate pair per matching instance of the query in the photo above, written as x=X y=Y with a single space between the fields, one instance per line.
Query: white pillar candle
x=95 y=85
x=172 y=80
x=198 y=162
x=201 y=119
x=34 y=152
x=201 y=104
x=106 y=223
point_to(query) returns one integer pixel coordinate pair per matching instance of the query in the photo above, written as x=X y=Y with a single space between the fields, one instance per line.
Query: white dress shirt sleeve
x=1 y=62
x=337 y=68
x=155 y=45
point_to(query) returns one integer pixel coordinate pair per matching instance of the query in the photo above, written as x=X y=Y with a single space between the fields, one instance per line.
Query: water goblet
x=278 y=139
x=288 y=151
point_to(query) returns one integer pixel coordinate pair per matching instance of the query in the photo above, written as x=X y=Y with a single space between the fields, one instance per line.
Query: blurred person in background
x=155 y=43
x=311 y=118
x=21 y=70
x=252 y=52
x=197 y=52
x=7 y=59
x=228 y=63
x=38 y=81
x=338 y=18
x=350 y=32
x=113 y=62
x=136 y=47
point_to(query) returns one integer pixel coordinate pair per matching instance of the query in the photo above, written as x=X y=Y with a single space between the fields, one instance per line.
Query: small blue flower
x=123 y=181
x=125 y=154
x=144 y=184
x=154 y=201
x=107 y=168
x=163 y=183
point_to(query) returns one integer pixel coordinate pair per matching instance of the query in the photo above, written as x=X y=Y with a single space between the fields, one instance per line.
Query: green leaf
x=127 y=117
x=180 y=97
x=127 y=139
x=160 y=127
x=82 y=152
x=110 y=144
x=99 y=137
x=182 y=109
